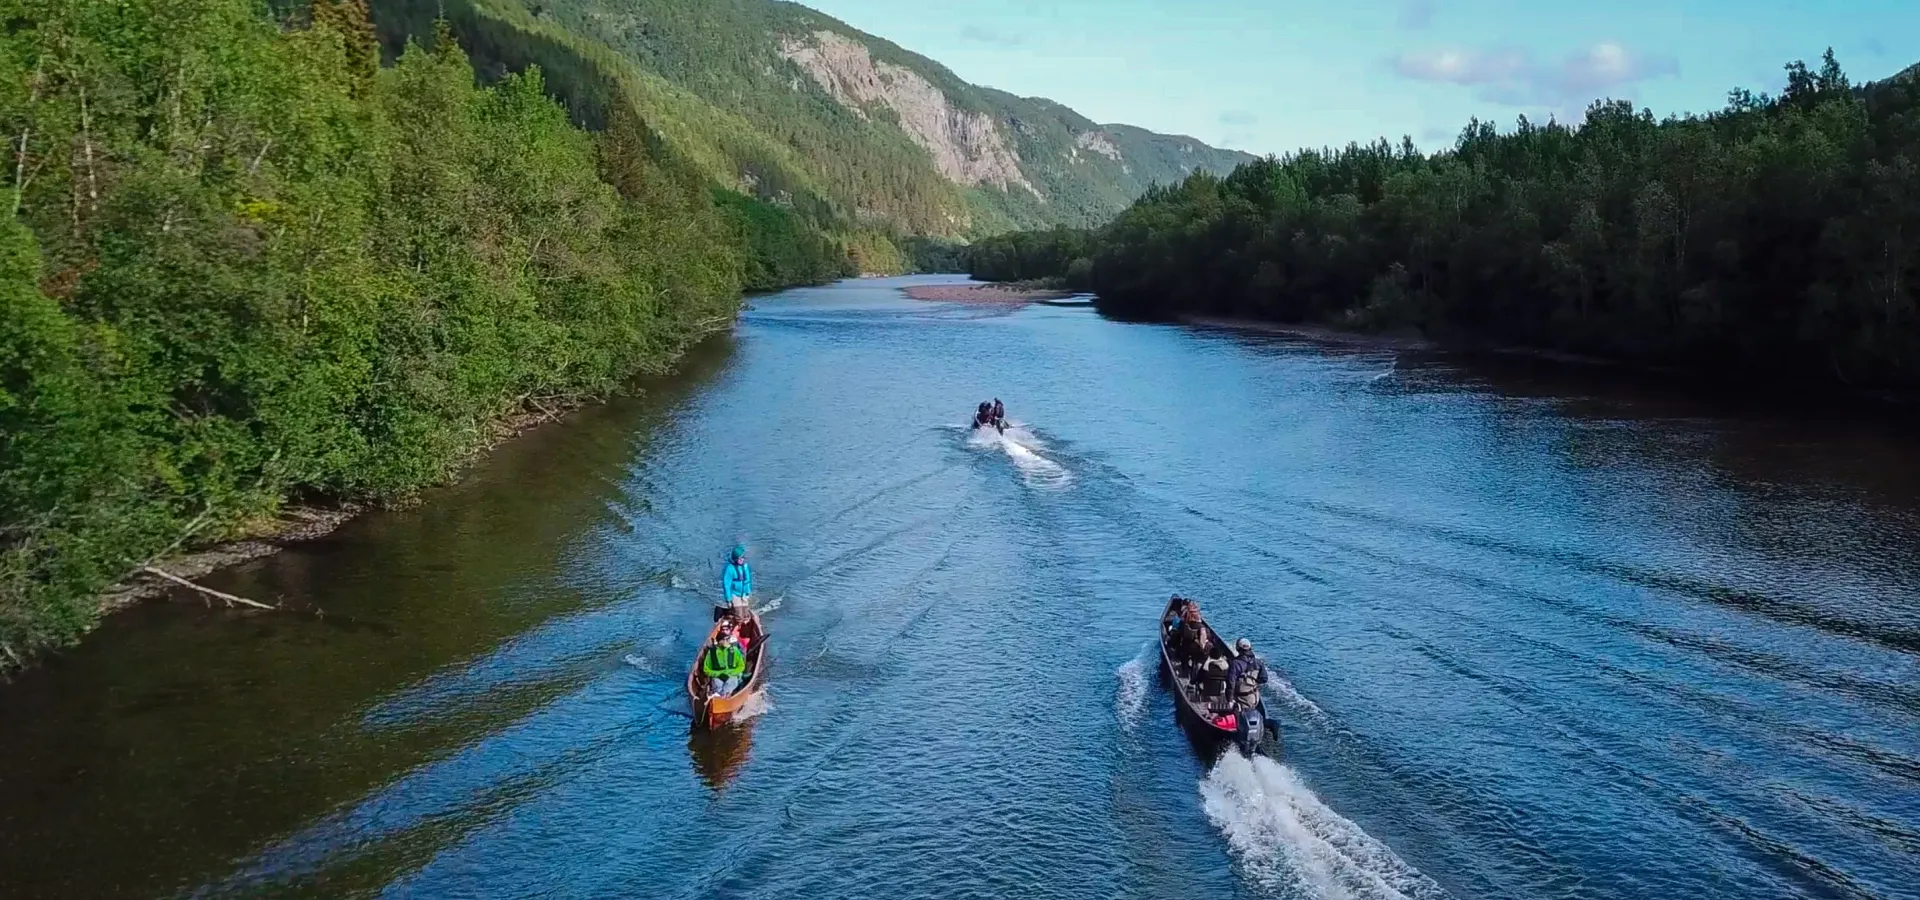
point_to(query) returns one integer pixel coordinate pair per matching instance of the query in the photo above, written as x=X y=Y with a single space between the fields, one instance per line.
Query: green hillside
x=799 y=110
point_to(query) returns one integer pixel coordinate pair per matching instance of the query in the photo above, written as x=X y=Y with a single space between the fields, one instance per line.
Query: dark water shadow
x=718 y=755
x=200 y=732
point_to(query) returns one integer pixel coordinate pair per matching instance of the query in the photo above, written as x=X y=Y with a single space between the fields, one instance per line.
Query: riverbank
x=192 y=559
x=1727 y=385
x=296 y=525
x=992 y=293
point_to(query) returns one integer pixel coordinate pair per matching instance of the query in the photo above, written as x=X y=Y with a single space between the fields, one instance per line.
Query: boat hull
x=710 y=712
x=1199 y=711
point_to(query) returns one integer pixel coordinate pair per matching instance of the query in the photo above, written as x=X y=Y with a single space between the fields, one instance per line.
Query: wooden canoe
x=1199 y=701
x=713 y=712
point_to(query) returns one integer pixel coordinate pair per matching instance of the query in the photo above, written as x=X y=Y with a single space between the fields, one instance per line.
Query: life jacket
x=1246 y=688
x=738 y=581
x=724 y=660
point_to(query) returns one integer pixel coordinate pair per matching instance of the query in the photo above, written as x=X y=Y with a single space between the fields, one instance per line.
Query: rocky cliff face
x=967 y=147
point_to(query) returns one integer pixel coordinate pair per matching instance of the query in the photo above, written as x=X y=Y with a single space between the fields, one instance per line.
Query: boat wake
x=644 y=664
x=1130 y=702
x=1024 y=449
x=1283 y=691
x=1288 y=842
x=755 y=707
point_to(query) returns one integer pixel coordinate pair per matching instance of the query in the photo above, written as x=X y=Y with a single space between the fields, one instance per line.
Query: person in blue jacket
x=736 y=587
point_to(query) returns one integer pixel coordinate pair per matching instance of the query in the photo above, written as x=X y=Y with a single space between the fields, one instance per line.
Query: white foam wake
x=1024 y=450
x=1287 y=841
x=643 y=663
x=756 y=706
x=1283 y=691
x=1130 y=702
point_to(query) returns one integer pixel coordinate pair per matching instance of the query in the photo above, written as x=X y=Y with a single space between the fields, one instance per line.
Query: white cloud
x=1608 y=65
x=1471 y=67
x=1513 y=77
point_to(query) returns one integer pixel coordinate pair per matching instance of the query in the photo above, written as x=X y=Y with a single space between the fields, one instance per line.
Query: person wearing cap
x=736 y=587
x=1245 y=675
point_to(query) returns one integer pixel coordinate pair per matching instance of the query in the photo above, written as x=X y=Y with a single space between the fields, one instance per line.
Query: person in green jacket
x=724 y=665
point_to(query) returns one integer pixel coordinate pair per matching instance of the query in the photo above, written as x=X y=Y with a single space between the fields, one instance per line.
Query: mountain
x=798 y=109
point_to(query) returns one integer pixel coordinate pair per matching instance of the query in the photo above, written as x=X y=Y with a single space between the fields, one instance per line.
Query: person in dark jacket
x=1245 y=675
x=1192 y=644
x=1175 y=609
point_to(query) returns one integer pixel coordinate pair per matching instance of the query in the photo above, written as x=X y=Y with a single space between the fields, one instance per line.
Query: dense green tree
x=1026 y=255
x=1776 y=237
x=245 y=263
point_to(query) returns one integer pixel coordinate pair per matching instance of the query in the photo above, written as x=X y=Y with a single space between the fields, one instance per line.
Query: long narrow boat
x=1202 y=701
x=712 y=712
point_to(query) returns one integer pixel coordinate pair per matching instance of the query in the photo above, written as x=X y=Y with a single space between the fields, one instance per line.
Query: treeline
x=244 y=263
x=1057 y=253
x=1779 y=236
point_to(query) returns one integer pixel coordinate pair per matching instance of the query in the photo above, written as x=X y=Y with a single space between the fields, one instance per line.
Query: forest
x=247 y=266
x=1777 y=237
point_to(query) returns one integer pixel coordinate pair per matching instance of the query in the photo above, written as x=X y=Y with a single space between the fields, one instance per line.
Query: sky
x=1270 y=76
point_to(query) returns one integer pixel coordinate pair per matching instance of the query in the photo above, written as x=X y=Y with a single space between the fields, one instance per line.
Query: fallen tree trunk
x=228 y=598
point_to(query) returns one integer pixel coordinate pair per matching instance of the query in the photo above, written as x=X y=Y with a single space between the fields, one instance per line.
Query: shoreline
x=301 y=523
x=985 y=293
x=1325 y=334
x=1696 y=380
x=1414 y=341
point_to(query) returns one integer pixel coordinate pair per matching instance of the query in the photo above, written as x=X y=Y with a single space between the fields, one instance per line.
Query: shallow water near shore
x=1533 y=632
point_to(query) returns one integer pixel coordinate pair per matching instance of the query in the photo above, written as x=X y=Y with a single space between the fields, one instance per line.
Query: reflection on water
x=1534 y=632
x=719 y=754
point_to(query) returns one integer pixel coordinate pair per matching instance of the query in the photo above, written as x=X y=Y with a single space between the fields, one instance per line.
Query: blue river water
x=1534 y=633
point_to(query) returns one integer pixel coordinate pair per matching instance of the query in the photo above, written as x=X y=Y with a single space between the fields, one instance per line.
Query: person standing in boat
x=1245 y=675
x=736 y=587
x=1193 y=646
x=1175 y=609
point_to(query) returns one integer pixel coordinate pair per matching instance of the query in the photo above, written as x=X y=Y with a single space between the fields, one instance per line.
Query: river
x=1533 y=633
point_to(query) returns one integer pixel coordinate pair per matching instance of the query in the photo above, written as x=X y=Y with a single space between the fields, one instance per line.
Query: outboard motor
x=1250 y=730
